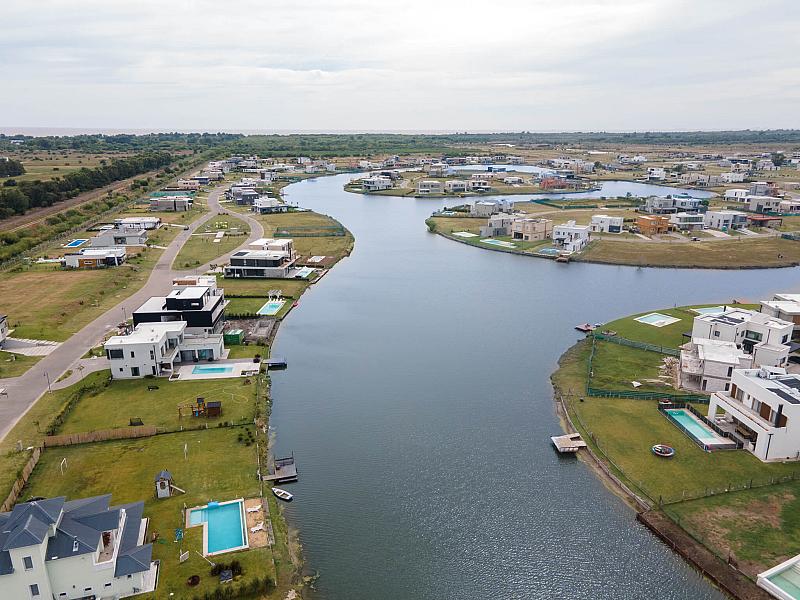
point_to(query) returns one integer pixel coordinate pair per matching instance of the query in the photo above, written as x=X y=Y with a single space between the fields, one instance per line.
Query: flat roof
x=147 y=333
x=786 y=387
x=718 y=351
x=190 y=291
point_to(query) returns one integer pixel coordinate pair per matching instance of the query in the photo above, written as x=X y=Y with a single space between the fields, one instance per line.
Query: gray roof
x=164 y=475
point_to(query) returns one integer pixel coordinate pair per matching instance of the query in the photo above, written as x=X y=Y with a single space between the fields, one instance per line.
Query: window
x=135 y=371
x=784 y=339
x=117 y=353
x=727 y=386
x=152 y=355
x=730 y=372
x=716 y=334
x=87 y=589
x=34 y=590
x=132 y=354
x=27 y=561
x=108 y=585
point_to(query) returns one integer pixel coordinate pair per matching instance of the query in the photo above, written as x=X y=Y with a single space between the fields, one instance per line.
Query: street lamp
x=47 y=375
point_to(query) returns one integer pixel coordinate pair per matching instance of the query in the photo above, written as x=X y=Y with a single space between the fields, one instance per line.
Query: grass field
x=336 y=246
x=44 y=165
x=291 y=288
x=218 y=467
x=14 y=365
x=201 y=249
x=614 y=368
x=117 y=403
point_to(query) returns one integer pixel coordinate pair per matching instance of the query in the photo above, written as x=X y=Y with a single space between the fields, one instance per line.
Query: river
x=418 y=405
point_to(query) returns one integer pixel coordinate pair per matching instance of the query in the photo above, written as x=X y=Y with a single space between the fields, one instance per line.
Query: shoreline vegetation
x=727 y=513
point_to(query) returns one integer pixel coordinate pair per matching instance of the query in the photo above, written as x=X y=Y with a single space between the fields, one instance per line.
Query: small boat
x=663 y=450
x=585 y=328
x=282 y=494
x=295 y=304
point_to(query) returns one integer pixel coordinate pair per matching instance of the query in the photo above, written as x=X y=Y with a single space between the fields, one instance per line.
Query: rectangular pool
x=75 y=243
x=271 y=308
x=697 y=430
x=501 y=243
x=709 y=310
x=206 y=370
x=657 y=319
x=223 y=526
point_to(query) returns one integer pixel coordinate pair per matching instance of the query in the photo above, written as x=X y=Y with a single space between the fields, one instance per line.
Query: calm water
x=418 y=404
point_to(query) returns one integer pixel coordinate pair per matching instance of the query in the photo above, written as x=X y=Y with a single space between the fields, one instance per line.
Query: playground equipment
x=165 y=487
x=200 y=408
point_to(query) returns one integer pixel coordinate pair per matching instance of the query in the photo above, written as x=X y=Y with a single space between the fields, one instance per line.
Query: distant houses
x=113 y=236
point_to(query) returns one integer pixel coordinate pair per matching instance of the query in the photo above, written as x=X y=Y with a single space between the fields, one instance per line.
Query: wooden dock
x=275 y=364
x=285 y=471
x=570 y=443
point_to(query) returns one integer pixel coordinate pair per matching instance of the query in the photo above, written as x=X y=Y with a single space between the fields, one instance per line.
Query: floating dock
x=275 y=363
x=285 y=471
x=569 y=443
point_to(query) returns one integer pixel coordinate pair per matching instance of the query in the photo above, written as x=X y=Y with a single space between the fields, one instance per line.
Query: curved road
x=25 y=390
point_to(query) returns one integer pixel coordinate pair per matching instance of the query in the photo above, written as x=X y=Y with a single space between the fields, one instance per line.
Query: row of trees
x=16 y=198
x=123 y=142
x=11 y=168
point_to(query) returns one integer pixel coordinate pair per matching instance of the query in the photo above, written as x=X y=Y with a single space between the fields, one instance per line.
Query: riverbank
x=741 y=252
x=715 y=509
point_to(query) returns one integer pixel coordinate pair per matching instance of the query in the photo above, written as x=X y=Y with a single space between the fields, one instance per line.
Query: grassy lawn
x=759 y=527
x=117 y=402
x=201 y=248
x=248 y=351
x=670 y=336
x=452 y=224
x=219 y=467
x=336 y=246
x=627 y=429
x=614 y=368
x=740 y=252
x=291 y=288
x=14 y=365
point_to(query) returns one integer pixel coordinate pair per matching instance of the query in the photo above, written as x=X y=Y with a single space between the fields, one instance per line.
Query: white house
x=513 y=180
x=656 y=174
x=762 y=409
x=54 y=548
x=725 y=219
x=3 y=329
x=455 y=186
x=605 y=224
x=428 y=186
x=155 y=348
x=789 y=206
x=783 y=306
x=760 y=335
x=686 y=221
x=763 y=204
x=119 y=237
x=202 y=307
x=266 y=263
x=570 y=236
x=736 y=195
x=376 y=183
x=95 y=258
x=265 y=205
x=137 y=223
x=479 y=185
x=732 y=177
x=708 y=364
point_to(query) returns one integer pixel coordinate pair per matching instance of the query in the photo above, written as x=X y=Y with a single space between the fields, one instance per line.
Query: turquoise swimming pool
x=657 y=319
x=271 y=308
x=209 y=370
x=224 y=526
x=709 y=310
x=701 y=433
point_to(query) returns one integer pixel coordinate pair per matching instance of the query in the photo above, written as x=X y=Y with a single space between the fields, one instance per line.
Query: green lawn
x=670 y=336
x=14 y=365
x=614 y=368
x=219 y=467
x=337 y=246
x=240 y=306
x=201 y=248
x=291 y=288
x=117 y=402
x=248 y=351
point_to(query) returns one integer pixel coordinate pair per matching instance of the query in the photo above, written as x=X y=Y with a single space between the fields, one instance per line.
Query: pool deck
x=204 y=524
x=241 y=368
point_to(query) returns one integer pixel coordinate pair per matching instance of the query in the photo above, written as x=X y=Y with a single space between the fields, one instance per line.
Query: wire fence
x=615 y=339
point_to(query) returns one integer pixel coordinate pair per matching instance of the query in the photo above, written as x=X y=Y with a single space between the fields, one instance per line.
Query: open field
x=201 y=248
x=114 y=405
x=336 y=246
x=218 y=467
x=47 y=165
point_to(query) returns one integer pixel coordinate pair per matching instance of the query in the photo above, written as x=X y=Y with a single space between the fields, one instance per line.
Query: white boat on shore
x=282 y=494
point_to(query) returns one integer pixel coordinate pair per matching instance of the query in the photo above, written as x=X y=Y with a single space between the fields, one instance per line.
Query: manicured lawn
x=115 y=404
x=626 y=430
x=201 y=248
x=337 y=246
x=452 y=224
x=759 y=527
x=291 y=288
x=741 y=252
x=14 y=365
x=614 y=368
x=218 y=468
x=671 y=335
x=248 y=351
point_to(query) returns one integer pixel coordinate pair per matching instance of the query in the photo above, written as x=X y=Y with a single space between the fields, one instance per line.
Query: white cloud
x=436 y=64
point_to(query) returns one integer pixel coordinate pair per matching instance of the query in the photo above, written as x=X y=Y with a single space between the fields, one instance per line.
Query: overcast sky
x=409 y=65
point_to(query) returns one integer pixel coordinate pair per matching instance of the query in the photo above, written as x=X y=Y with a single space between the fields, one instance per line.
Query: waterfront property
x=223 y=526
x=531 y=229
x=571 y=237
x=657 y=319
x=55 y=548
x=498 y=225
x=652 y=224
x=153 y=349
x=698 y=431
x=762 y=409
x=785 y=307
x=264 y=205
x=95 y=258
x=430 y=186
x=376 y=183
x=707 y=365
x=606 y=224
x=202 y=307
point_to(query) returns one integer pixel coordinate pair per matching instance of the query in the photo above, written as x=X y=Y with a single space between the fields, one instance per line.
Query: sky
x=435 y=65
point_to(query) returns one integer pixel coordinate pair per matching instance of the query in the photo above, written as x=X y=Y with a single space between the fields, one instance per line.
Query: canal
x=418 y=405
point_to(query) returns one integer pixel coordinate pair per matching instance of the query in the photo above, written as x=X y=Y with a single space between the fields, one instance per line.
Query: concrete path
x=29 y=347
x=25 y=390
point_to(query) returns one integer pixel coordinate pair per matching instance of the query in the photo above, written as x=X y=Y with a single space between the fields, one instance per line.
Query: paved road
x=25 y=390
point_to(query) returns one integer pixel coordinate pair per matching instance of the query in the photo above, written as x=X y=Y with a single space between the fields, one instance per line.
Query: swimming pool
x=223 y=526
x=75 y=243
x=500 y=243
x=697 y=430
x=657 y=319
x=304 y=272
x=206 y=370
x=549 y=251
x=271 y=308
x=709 y=310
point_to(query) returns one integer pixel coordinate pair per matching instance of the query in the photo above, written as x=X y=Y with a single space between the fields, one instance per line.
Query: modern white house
x=479 y=185
x=570 y=236
x=513 y=180
x=732 y=177
x=155 y=348
x=376 y=183
x=736 y=194
x=265 y=205
x=707 y=365
x=656 y=174
x=724 y=219
x=455 y=186
x=202 y=307
x=686 y=221
x=605 y=224
x=3 y=329
x=763 y=204
x=112 y=236
x=762 y=409
x=428 y=186
x=265 y=263
x=785 y=307
x=137 y=223
x=95 y=258
x=70 y=550
x=762 y=336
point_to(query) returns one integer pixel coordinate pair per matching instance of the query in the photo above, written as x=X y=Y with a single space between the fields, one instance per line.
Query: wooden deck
x=285 y=471
x=571 y=442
